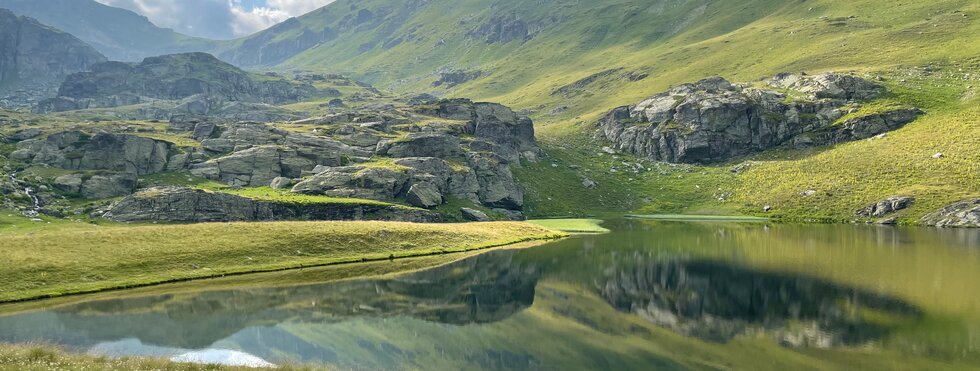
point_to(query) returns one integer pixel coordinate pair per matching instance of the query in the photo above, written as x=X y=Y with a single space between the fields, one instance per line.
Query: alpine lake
x=651 y=294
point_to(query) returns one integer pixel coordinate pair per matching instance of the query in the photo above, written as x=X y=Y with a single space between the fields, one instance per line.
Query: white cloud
x=219 y=19
x=297 y=7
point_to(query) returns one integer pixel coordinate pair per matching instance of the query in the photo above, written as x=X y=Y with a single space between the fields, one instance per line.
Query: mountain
x=33 y=57
x=172 y=77
x=118 y=33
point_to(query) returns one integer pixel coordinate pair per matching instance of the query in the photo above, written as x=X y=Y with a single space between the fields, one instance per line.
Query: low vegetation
x=51 y=262
x=45 y=358
x=572 y=225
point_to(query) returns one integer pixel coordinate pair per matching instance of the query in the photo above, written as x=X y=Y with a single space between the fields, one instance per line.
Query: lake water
x=649 y=295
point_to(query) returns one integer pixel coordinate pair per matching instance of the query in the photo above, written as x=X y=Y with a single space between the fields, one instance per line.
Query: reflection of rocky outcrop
x=718 y=302
x=485 y=289
x=714 y=120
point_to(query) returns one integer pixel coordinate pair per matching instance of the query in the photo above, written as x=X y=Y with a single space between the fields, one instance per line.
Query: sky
x=218 y=19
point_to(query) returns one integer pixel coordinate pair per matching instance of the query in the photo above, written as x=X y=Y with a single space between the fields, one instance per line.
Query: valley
x=382 y=139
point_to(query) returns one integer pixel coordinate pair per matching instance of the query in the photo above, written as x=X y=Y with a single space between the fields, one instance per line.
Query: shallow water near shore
x=648 y=295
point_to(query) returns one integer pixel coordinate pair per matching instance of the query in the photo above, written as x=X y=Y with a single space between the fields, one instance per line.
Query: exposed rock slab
x=960 y=214
x=177 y=204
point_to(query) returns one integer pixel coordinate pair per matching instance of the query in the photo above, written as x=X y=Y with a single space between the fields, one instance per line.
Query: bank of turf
x=60 y=261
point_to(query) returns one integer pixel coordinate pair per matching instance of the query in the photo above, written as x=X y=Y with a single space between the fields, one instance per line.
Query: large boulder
x=715 y=120
x=178 y=204
x=421 y=145
x=424 y=195
x=97 y=186
x=473 y=215
x=886 y=207
x=256 y=166
x=961 y=214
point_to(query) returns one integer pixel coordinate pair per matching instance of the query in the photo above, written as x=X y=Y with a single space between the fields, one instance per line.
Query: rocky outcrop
x=960 y=214
x=260 y=153
x=34 y=57
x=714 y=120
x=886 y=207
x=177 y=204
x=76 y=150
x=172 y=77
x=97 y=186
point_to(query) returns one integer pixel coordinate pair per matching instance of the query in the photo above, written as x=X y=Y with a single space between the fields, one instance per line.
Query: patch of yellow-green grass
x=54 y=262
x=284 y=196
x=39 y=357
x=571 y=225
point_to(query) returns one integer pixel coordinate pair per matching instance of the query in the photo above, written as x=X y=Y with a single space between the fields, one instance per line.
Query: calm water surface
x=650 y=295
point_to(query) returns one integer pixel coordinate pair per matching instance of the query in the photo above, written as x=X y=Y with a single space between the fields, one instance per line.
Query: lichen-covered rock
x=178 y=204
x=715 y=120
x=886 y=207
x=961 y=214
x=76 y=150
x=97 y=186
x=256 y=166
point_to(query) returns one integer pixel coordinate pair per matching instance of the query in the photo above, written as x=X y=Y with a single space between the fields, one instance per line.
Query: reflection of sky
x=135 y=347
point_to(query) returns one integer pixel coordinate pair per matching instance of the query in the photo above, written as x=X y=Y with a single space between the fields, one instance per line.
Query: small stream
x=35 y=211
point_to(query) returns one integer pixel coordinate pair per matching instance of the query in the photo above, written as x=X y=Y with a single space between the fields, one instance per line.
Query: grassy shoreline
x=51 y=263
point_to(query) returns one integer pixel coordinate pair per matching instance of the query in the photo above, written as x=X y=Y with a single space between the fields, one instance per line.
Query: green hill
x=569 y=62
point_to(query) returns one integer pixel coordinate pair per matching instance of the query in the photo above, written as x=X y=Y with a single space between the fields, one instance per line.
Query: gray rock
x=74 y=150
x=885 y=207
x=421 y=145
x=203 y=130
x=514 y=215
x=25 y=134
x=255 y=167
x=961 y=214
x=97 y=186
x=178 y=204
x=589 y=183
x=424 y=195
x=281 y=183
x=713 y=120
x=101 y=186
x=473 y=215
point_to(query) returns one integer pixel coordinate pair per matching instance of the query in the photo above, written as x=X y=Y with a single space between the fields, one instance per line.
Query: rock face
x=176 y=204
x=35 y=57
x=961 y=214
x=886 y=207
x=715 y=120
x=255 y=154
x=98 y=186
x=172 y=77
x=468 y=157
x=76 y=150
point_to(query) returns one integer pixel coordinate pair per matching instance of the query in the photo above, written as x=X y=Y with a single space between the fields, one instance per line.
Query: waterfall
x=36 y=203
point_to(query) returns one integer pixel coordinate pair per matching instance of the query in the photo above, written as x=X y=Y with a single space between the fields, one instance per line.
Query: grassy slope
x=75 y=258
x=677 y=42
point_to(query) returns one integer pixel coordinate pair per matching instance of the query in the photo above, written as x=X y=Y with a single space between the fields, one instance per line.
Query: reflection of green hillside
x=649 y=295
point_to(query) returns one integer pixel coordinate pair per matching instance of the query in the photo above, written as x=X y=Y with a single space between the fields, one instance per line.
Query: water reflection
x=717 y=301
x=616 y=301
